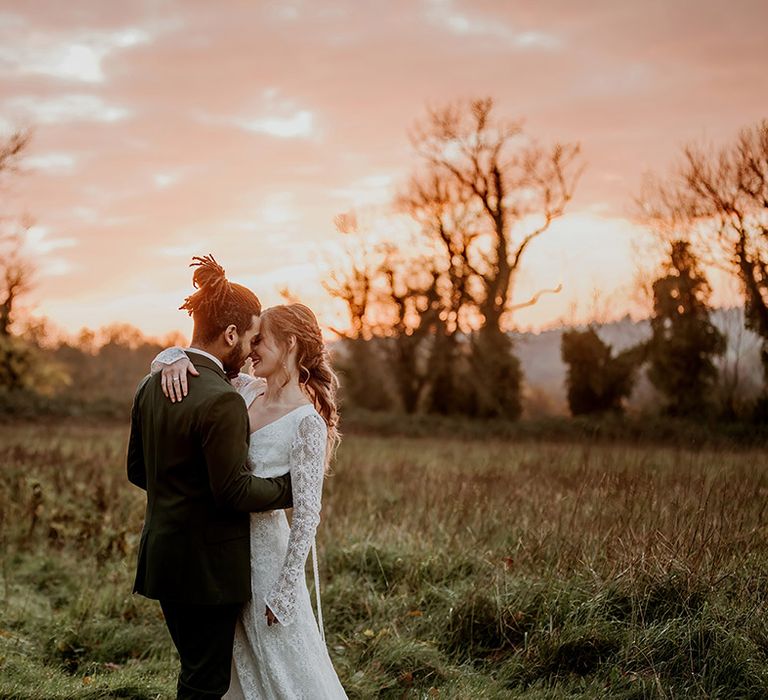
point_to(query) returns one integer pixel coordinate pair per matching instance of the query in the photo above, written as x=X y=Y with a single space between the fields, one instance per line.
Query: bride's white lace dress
x=289 y=660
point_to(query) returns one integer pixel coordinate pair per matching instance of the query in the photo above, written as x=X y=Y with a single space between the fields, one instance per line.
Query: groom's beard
x=233 y=361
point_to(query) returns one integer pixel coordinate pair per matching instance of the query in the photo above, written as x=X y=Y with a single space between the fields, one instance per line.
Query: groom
x=190 y=457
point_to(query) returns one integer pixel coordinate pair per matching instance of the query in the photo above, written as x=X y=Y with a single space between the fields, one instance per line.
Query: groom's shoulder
x=210 y=386
x=218 y=401
x=142 y=385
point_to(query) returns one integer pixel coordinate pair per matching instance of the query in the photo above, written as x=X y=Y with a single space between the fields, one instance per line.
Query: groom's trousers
x=203 y=635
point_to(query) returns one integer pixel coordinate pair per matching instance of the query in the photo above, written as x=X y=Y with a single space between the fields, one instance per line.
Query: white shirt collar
x=208 y=355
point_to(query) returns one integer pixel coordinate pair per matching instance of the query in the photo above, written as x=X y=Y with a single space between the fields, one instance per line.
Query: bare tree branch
x=532 y=301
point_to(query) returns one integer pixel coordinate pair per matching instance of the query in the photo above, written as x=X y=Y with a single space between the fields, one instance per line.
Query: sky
x=163 y=129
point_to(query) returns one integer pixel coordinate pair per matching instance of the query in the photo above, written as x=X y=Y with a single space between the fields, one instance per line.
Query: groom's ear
x=231 y=335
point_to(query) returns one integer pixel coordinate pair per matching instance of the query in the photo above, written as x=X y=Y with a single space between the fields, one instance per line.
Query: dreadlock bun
x=217 y=303
x=211 y=281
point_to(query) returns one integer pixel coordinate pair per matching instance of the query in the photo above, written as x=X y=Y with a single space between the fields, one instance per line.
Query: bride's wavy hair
x=218 y=303
x=313 y=361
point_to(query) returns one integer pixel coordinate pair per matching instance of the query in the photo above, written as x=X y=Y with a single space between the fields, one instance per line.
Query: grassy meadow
x=451 y=568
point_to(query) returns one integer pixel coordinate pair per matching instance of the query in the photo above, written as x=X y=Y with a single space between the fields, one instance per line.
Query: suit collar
x=213 y=358
x=199 y=359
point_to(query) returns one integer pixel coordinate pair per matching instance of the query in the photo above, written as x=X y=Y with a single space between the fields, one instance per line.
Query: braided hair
x=218 y=303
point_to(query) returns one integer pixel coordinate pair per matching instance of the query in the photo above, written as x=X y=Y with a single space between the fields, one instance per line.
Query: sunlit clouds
x=446 y=14
x=272 y=114
x=64 y=109
x=163 y=130
x=77 y=56
x=52 y=163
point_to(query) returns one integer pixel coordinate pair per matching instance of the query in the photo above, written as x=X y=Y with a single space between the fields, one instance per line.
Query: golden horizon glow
x=174 y=129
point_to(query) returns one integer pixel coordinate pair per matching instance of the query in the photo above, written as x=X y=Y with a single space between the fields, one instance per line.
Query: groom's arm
x=137 y=471
x=225 y=445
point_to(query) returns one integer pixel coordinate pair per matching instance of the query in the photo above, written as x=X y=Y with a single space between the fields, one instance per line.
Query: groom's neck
x=210 y=348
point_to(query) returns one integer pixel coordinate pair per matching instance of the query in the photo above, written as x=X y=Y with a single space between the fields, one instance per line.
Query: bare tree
x=413 y=304
x=11 y=150
x=719 y=199
x=448 y=223
x=351 y=279
x=513 y=191
x=517 y=190
x=17 y=357
x=22 y=365
x=15 y=281
x=355 y=279
x=15 y=270
x=479 y=199
x=451 y=230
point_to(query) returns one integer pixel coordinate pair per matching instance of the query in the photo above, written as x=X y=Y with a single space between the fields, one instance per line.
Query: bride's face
x=267 y=356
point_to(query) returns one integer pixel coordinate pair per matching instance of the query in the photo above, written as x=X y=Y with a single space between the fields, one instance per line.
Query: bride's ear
x=291 y=342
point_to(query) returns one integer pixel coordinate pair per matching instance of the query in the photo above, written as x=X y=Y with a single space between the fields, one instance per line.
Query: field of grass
x=450 y=569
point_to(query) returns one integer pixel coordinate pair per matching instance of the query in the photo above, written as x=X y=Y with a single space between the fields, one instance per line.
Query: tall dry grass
x=452 y=569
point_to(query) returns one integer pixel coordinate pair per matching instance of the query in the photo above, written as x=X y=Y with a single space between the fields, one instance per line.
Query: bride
x=279 y=649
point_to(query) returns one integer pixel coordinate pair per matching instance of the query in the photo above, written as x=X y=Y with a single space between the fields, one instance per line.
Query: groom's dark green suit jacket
x=190 y=457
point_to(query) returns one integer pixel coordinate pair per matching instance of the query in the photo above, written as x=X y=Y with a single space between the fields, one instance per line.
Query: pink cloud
x=247 y=126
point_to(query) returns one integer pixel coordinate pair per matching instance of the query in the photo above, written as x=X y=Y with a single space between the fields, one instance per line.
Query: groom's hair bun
x=209 y=273
x=218 y=303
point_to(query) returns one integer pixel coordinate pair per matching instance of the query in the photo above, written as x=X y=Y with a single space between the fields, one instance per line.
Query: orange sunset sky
x=164 y=129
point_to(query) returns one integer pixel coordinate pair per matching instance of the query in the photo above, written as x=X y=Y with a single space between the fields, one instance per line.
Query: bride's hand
x=174 y=378
x=271 y=619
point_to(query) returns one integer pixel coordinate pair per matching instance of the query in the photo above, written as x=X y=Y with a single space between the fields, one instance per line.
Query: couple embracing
x=220 y=455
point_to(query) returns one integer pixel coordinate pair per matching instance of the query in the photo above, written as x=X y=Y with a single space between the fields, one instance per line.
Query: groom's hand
x=271 y=619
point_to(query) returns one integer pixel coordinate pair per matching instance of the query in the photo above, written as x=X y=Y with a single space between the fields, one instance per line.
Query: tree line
x=435 y=322
x=711 y=209
x=430 y=308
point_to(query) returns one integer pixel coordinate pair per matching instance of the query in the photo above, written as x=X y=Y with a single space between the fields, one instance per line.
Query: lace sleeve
x=307 y=470
x=166 y=357
x=248 y=387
